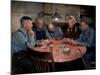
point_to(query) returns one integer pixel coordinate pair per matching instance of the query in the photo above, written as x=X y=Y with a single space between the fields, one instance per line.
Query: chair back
x=43 y=61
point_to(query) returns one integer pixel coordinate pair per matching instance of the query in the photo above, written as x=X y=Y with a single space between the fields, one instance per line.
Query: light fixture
x=56 y=19
x=56 y=15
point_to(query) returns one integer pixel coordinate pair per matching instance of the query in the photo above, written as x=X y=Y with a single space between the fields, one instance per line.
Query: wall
x=19 y=9
x=63 y=10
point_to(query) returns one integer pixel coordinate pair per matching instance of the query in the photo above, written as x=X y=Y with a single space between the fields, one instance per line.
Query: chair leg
x=84 y=62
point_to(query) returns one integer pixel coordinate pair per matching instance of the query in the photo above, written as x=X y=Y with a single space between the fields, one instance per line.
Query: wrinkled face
x=83 y=26
x=71 y=23
x=27 y=24
x=51 y=27
x=39 y=23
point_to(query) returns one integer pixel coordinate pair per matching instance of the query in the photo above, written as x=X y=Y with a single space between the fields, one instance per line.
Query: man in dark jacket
x=40 y=29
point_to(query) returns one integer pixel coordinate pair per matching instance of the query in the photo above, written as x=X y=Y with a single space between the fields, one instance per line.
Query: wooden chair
x=43 y=62
x=43 y=65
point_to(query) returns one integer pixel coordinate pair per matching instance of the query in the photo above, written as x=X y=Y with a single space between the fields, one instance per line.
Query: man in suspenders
x=23 y=38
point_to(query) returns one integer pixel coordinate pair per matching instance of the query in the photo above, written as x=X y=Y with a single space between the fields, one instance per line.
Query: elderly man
x=54 y=32
x=87 y=38
x=40 y=29
x=23 y=39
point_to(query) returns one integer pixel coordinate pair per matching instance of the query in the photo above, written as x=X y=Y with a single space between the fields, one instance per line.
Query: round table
x=57 y=51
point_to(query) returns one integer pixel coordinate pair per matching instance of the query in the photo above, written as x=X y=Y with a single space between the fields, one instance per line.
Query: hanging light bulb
x=56 y=19
x=56 y=16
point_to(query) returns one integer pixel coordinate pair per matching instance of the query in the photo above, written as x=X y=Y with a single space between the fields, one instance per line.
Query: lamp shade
x=56 y=16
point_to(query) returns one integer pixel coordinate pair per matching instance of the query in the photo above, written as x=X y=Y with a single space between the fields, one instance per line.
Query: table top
x=56 y=46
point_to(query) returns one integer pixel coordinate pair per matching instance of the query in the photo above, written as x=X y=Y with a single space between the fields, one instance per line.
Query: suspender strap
x=21 y=32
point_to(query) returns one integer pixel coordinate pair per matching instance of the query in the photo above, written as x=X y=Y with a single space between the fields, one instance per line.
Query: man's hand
x=44 y=42
x=67 y=40
x=74 y=42
x=32 y=34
